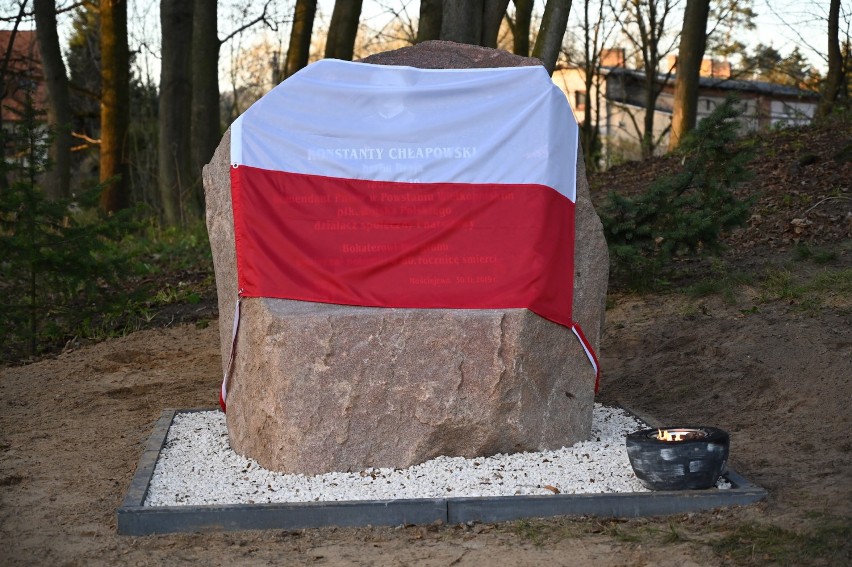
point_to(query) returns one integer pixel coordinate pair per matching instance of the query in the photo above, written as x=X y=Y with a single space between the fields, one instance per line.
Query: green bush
x=683 y=213
x=52 y=253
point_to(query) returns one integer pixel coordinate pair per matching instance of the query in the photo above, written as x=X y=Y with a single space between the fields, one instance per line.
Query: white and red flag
x=389 y=186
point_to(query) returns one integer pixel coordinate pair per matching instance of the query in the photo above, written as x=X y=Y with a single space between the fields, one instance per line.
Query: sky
x=780 y=23
x=786 y=23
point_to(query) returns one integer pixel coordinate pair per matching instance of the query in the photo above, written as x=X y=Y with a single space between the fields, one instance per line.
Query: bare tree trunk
x=590 y=61
x=206 y=123
x=650 y=61
x=650 y=105
x=596 y=34
x=59 y=109
x=343 y=29
x=175 y=99
x=834 y=78
x=429 y=26
x=690 y=54
x=462 y=21
x=552 y=31
x=115 y=105
x=649 y=17
x=521 y=27
x=475 y=22
x=300 y=36
x=492 y=16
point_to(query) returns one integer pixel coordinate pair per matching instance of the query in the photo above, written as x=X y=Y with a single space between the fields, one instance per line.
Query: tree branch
x=87 y=139
x=73 y=6
x=241 y=29
x=5 y=68
x=804 y=42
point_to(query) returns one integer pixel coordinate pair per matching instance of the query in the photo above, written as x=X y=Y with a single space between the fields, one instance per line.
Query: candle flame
x=666 y=436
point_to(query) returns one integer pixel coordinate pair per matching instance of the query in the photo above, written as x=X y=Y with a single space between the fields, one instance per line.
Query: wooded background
x=146 y=137
x=109 y=116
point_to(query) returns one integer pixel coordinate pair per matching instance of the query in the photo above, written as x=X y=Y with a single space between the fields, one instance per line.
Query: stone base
x=334 y=388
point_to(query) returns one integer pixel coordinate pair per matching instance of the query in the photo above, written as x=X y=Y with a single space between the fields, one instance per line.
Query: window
x=579 y=100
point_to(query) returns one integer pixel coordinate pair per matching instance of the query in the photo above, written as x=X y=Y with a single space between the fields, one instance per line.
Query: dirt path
x=72 y=429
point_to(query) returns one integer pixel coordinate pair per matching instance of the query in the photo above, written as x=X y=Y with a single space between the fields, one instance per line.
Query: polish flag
x=388 y=186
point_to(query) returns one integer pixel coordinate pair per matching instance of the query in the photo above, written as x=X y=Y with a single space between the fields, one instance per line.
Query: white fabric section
x=386 y=123
x=586 y=349
x=237 y=141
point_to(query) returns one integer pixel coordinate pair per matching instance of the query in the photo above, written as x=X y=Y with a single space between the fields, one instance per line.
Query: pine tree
x=51 y=251
x=686 y=212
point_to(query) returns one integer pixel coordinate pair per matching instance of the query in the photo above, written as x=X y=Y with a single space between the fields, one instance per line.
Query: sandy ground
x=778 y=378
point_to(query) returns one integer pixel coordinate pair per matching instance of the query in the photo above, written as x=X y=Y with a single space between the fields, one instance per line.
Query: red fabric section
x=388 y=244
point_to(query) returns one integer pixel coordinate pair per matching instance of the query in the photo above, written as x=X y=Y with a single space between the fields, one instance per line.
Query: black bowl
x=695 y=462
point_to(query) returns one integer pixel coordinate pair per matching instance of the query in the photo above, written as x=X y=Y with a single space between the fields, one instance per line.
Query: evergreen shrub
x=685 y=213
x=53 y=254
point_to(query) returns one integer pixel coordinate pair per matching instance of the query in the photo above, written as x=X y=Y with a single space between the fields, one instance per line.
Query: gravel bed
x=198 y=467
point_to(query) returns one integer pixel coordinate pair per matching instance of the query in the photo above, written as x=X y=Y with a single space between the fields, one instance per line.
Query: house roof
x=24 y=74
x=735 y=85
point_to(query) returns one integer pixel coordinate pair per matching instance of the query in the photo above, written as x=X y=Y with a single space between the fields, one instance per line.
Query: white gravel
x=198 y=467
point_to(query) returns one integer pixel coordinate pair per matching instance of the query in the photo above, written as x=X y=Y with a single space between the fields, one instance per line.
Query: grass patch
x=160 y=270
x=818 y=255
x=826 y=544
x=779 y=285
x=625 y=532
x=156 y=251
x=540 y=532
x=533 y=531
x=167 y=267
x=832 y=281
x=721 y=280
x=808 y=293
x=823 y=540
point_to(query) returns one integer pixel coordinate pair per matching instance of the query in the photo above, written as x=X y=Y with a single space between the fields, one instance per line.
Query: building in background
x=620 y=94
x=23 y=76
x=571 y=80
